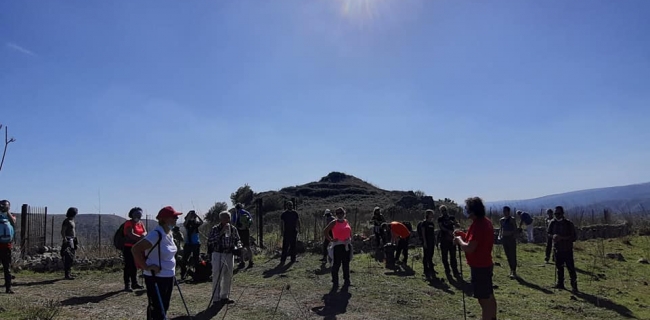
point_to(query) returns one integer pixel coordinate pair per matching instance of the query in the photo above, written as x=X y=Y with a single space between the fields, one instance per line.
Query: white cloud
x=20 y=49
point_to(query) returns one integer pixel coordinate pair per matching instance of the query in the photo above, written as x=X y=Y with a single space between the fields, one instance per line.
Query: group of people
x=156 y=252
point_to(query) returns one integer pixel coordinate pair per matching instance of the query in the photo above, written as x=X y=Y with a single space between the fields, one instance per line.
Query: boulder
x=643 y=261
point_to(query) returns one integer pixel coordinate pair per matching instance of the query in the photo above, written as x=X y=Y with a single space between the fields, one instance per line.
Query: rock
x=643 y=261
x=617 y=256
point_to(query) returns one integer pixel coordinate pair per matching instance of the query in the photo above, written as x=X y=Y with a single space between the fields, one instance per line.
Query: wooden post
x=99 y=234
x=356 y=210
x=24 y=229
x=260 y=228
x=52 y=234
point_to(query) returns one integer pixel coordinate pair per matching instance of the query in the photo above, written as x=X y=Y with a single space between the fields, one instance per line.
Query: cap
x=519 y=212
x=167 y=212
x=327 y=213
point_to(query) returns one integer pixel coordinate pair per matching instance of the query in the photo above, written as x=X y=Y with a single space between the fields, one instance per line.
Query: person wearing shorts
x=477 y=244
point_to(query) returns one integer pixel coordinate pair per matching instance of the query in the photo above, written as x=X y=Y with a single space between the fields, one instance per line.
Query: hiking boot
x=9 y=291
x=227 y=301
x=69 y=277
x=559 y=286
x=574 y=286
x=137 y=287
x=513 y=275
x=128 y=289
x=250 y=265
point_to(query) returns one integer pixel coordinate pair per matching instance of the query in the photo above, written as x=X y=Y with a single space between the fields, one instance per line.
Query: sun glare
x=360 y=9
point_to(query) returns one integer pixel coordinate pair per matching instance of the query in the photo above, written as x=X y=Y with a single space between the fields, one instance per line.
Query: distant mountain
x=622 y=199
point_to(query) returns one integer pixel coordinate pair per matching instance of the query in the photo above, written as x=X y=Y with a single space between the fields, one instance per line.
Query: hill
x=633 y=198
x=342 y=190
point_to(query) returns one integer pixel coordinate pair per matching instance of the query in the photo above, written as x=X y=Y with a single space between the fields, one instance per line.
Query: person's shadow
x=89 y=299
x=279 y=269
x=36 y=283
x=439 y=283
x=460 y=284
x=206 y=314
x=323 y=270
x=532 y=286
x=334 y=303
x=606 y=304
x=401 y=271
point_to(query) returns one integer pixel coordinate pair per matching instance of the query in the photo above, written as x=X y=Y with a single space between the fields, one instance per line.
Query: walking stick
x=182 y=298
x=460 y=265
x=162 y=305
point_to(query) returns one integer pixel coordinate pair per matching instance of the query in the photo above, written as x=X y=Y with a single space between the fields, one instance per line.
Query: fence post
x=52 y=234
x=45 y=228
x=146 y=219
x=260 y=229
x=356 y=210
x=23 y=229
x=99 y=234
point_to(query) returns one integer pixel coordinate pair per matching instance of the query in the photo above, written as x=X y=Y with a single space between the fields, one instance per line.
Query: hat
x=167 y=212
x=519 y=212
x=327 y=213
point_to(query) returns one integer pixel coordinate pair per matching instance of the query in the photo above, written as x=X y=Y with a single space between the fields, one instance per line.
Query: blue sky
x=151 y=103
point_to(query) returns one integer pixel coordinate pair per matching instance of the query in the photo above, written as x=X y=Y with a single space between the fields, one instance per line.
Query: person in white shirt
x=156 y=255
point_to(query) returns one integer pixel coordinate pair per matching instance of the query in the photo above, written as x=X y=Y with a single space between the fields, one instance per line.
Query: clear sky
x=151 y=103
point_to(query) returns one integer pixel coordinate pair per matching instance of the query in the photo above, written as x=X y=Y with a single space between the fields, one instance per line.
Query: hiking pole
x=277 y=304
x=182 y=299
x=162 y=305
x=216 y=283
x=460 y=265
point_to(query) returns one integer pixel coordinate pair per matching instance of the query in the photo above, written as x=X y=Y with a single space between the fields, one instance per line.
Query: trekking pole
x=460 y=265
x=182 y=298
x=277 y=304
x=162 y=305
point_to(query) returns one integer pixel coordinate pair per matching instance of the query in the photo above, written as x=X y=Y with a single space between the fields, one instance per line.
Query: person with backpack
x=192 y=246
x=447 y=223
x=549 y=240
x=377 y=220
x=155 y=254
x=290 y=227
x=477 y=244
x=427 y=233
x=70 y=243
x=563 y=233
x=326 y=242
x=223 y=242
x=339 y=233
x=526 y=219
x=243 y=221
x=7 y=233
x=508 y=237
x=134 y=230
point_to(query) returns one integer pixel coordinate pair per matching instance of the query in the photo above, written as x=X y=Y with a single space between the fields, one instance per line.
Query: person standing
x=156 y=255
x=134 y=231
x=563 y=233
x=192 y=246
x=508 y=237
x=525 y=218
x=290 y=228
x=477 y=244
x=339 y=233
x=427 y=232
x=8 y=226
x=549 y=239
x=70 y=242
x=222 y=242
x=326 y=242
x=243 y=221
x=377 y=221
x=446 y=223
x=403 y=243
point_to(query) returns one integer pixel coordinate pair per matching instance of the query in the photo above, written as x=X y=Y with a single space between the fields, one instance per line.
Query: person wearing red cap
x=156 y=255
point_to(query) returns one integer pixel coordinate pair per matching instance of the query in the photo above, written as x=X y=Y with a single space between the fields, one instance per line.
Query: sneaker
x=127 y=289
x=227 y=301
x=137 y=287
x=9 y=291
x=574 y=287
x=546 y=260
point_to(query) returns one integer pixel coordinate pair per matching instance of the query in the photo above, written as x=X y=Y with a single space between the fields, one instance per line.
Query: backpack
x=119 y=238
x=202 y=271
x=6 y=230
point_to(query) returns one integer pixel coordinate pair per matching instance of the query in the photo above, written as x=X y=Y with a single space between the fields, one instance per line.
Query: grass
x=611 y=290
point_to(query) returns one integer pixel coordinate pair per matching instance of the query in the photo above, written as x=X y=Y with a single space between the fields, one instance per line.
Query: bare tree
x=7 y=142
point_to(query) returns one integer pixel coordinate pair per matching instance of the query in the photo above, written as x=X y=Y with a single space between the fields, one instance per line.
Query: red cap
x=167 y=212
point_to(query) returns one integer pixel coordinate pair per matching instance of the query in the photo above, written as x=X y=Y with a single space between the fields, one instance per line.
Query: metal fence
x=33 y=228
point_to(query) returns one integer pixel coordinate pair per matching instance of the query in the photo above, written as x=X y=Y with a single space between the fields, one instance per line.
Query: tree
x=420 y=194
x=243 y=195
x=212 y=215
x=7 y=142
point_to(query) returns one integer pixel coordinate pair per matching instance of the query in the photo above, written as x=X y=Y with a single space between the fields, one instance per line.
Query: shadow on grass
x=89 y=299
x=460 y=284
x=334 y=303
x=532 y=286
x=36 y=283
x=279 y=269
x=323 y=270
x=439 y=283
x=206 y=314
x=606 y=304
x=401 y=271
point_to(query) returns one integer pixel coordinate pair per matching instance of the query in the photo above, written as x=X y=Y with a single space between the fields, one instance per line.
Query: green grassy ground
x=610 y=289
